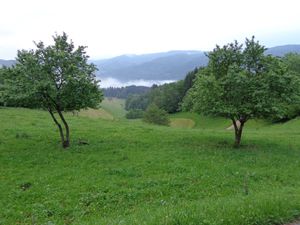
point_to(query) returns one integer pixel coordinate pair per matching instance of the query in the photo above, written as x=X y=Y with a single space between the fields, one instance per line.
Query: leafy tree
x=156 y=115
x=134 y=102
x=242 y=83
x=292 y=62
x=167 y=96
x=189 y=80
x=58 y=78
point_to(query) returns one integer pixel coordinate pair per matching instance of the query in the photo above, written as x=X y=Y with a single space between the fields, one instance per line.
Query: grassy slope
x=133 y=173
x=213 y=123
x=114 y=106
x=95 y=114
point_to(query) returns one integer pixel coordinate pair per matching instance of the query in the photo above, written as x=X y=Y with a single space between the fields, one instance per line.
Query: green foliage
x=241 y=84
x=137 y=102
x=57 y=78
x=135 y=114
x=167 y=96
x=292 y=62
x=189 y=80
x=124 y=92
x=155 y=115
x=134 y=173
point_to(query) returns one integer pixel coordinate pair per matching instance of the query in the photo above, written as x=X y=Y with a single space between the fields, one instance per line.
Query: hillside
x=160 y=66
x=171 y=65
x=109 y=109
x=4 y=62
x=164 y=66
x=284 y=49
x=134 y=173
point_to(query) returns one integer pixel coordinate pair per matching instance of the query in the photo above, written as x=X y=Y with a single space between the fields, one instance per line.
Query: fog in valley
x=112 y=82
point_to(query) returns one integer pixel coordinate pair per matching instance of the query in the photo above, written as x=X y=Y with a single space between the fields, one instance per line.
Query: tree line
x=167 y=96
x=124 y=92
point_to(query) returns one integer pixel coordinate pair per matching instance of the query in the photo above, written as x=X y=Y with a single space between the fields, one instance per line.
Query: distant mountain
x=284 y=49
x=4 y=62
x=159 y=66
x=171 y=65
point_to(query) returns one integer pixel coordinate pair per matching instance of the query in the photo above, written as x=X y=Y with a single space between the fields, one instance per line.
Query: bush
x=156 y=115
x=135 y=114
x=292 y=111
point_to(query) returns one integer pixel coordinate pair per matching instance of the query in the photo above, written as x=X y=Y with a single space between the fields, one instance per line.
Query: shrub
x=291 y=112
x=156 y=115
x=135 y=114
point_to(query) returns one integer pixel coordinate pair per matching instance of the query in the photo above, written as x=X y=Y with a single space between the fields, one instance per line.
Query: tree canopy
x=167 y=96
x=57 y=78
x=242 y=83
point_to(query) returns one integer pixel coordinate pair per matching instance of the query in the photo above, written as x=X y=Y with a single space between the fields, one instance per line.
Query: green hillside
x=114 y=106
x=110 y=109
x=134 y=173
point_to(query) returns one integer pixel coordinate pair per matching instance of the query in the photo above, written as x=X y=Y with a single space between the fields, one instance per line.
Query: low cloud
x=112 y=82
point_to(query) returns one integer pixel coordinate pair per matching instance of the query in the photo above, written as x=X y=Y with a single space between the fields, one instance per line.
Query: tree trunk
x=238 y=137
x=66 y=142
x=59 y=127
x=238 y=130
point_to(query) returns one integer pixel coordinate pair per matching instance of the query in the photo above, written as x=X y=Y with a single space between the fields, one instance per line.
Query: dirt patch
x=238 y=123
x=182 y=123
x=294 y=223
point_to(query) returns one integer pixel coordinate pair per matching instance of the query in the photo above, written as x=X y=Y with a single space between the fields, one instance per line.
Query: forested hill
x=171 y=65
x=6 y=62
x=159 y=66
x=164 y=66
x=284 y=49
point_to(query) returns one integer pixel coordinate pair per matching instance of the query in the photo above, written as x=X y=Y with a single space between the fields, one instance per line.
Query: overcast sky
x=114 y=27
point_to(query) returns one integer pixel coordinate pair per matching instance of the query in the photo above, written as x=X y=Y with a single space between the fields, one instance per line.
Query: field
x=134 y=173
x=114 y=106
x=109 y=109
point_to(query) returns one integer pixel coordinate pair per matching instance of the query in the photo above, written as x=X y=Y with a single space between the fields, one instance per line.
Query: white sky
x=114 y=27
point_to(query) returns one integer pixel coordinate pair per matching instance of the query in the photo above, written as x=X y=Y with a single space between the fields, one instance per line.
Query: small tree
x=56 y=77
x=156 y=115
x=240 y=84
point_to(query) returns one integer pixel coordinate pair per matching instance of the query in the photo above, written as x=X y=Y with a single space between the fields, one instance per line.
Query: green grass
x=115 y=107
x=94 y=113
x=213 y=123
x=134 y=173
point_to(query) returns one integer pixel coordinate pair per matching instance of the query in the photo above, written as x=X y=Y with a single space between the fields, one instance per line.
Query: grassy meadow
x=134 y=173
